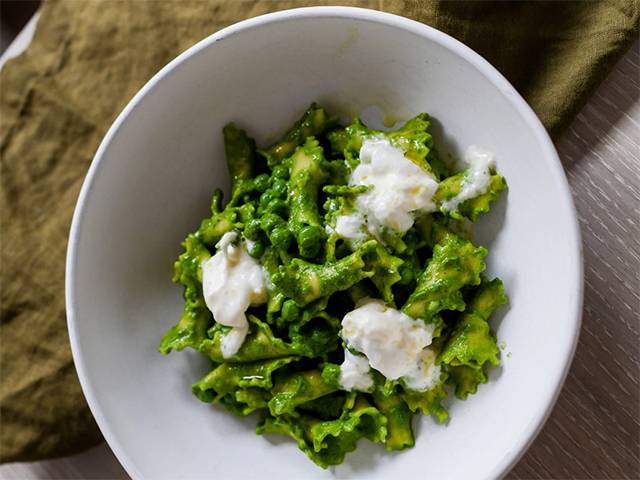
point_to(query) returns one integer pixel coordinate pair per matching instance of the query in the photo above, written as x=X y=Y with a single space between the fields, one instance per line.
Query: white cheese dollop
x=399 y=189
x=351 y=226
x=354 y=373
x=231 y=282
x=427 y=373
x=393 y=343
x=477 y=179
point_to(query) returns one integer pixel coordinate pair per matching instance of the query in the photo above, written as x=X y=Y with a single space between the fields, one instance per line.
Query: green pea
x=279 y=188
x=265 y=198
x=309 y=241
x=257 y=249
x=290 y=311
x=261 y=182
x=277 y=206
x=246 y=212
x=281 y=171
x=269 y=221
x=252 y=229
x=281 y=237
x=406 y=275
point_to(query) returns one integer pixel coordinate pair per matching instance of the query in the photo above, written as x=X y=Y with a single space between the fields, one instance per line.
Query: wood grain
x=594 y=430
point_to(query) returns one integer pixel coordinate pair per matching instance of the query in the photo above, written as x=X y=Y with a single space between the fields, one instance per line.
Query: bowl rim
x=549 y=397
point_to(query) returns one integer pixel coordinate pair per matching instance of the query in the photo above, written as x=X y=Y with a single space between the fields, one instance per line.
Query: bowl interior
x=151 y=184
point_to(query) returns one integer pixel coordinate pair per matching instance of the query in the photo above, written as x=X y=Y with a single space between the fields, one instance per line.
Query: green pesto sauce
x=284 y=202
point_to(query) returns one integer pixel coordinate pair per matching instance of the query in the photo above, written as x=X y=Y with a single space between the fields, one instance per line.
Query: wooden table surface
x=594 y=430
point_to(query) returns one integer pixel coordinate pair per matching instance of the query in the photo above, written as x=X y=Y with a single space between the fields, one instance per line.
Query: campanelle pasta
x=348 y=290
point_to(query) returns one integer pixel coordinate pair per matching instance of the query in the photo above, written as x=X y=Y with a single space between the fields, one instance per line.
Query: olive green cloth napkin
x=87 y=60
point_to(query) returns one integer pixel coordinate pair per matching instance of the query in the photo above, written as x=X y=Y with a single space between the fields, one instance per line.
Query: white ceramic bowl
x=151 y=182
